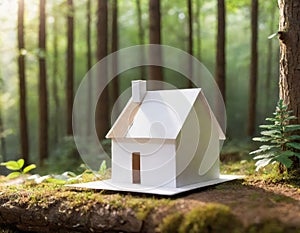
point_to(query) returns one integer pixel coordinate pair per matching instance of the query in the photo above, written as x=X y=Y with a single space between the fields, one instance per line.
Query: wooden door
x=136 y=168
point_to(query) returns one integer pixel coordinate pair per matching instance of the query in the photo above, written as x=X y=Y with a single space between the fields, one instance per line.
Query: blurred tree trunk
x=2 y=137
x=89 y=61
x=22 y=84
x=221 y=43
x=253 y=68
x=289 y=78
x=190 y=40
x=141 y=36
x=269 y=58
x=43 y=99
x=70 y=65
x=198 y=28
x=114 y=48
x=155 y=72
x=55 y=79
x=102 y=114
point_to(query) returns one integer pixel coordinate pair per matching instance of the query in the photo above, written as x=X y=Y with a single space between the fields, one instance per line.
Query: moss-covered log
x=237 y=207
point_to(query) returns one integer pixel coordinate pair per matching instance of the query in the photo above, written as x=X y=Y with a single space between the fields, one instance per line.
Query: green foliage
x=102 y=168
x=68 y=177
x=17 y=168
x=268 y=226
x=205 y=218
x=280 y=144
x=64 y=158
x=210 y=218
x=171 y=223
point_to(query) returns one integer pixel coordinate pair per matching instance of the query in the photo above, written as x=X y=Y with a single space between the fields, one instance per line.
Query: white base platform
x=137 y=188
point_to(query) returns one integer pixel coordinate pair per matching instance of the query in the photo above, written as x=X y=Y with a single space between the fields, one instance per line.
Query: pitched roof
x=160 y=115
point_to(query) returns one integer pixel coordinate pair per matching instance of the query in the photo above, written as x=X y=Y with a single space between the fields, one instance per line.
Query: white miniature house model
x=164 y=142
x=165 y=138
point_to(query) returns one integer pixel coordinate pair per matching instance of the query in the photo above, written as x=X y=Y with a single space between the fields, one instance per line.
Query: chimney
x=139 y=90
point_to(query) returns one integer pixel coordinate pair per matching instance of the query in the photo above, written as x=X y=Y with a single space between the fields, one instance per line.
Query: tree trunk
x=190 y=40
x=253 y=68
x=70 y=65
x=155 y=72
x=269 y=59
x=141 y=34
x=220 y=56
x=89 y=61
x=43 y=101
x=22 y=84
x=55 y=80
x=289 y=78
x=198 y=28
x=102 y=114
x=2 y=137
x=114 y=48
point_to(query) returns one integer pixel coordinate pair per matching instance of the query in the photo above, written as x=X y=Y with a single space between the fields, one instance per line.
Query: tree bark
x=55 y=80
x=22 y=85
x=70 y=65
x=289 y=83
x=289 y=78
x=190 y=41
x=221 y=43
x=141 y=34
x=89 y=62
x=2 y=137
x=114 y=48
x=102 y=113
x=253 y=68
x=43 y=99
x=155 y=72
x=198 y=28
x=269 y=58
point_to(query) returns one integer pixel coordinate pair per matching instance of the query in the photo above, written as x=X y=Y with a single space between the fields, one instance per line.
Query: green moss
x=280 y=198
x=211 y=218
x=46 y=194
x=268 y=226
x=144 y=206
x=171 y=223
x=243 y=167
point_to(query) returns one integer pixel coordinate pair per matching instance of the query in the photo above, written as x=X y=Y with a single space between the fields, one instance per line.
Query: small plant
x=17 y=168
x=281 y=145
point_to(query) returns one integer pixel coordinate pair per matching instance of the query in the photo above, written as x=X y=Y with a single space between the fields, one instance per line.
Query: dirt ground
x=254 y=202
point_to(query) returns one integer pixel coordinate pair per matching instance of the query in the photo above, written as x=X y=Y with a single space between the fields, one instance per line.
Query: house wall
x=197 y=148
x=157 y=161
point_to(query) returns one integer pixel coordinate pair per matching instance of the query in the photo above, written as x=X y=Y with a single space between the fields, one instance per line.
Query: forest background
x=71 y=30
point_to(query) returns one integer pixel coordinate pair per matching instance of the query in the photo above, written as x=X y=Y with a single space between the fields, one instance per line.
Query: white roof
x=160 y=115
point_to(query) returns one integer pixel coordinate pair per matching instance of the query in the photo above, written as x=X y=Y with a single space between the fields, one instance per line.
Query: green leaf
x=284 y=160
x=262 y=163
x=290 y=128
x=269 y=126
x=265 y=148
x=294 y=145
x=29 y=168
x=11 y=165
x=291 y=118
x=270 y=132
x=13 y=175
x=21 y=163
x=287 y=153
x=55 y=181
x=103 y=167
x=271 y=119
x=264 y=156
x=293 y=137
x=262 y=139
x=297 y=154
